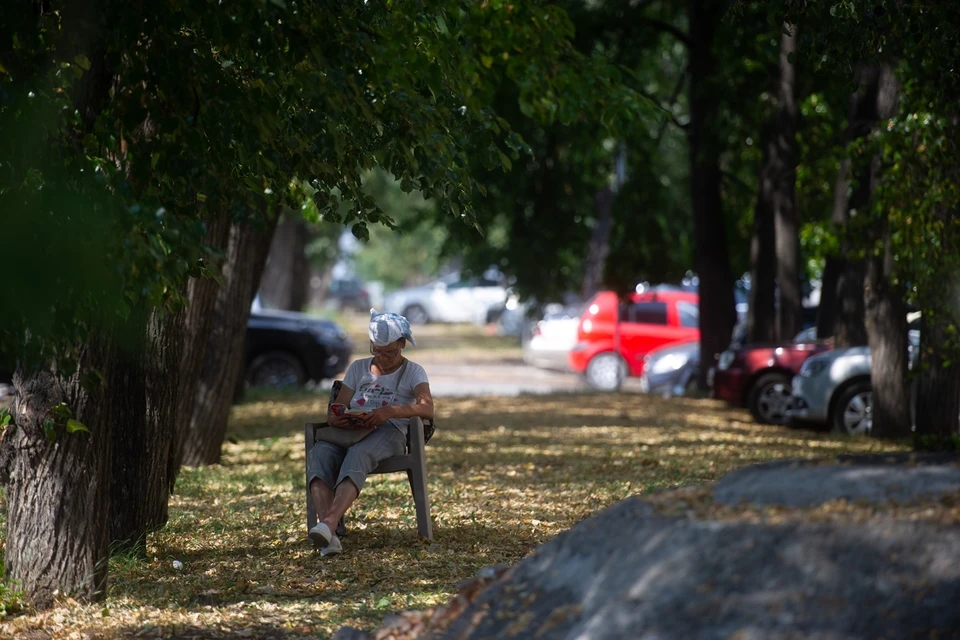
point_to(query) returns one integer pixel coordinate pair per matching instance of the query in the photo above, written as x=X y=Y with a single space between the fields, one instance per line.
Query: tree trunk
x=886 y=322
x=599 y=246
x=198 y=325
x=846 y=296
x=286 y=277
x=717 y=309
x=786 y=214
x=223 y=360
x=57 y=493
x=762 y=312
x=166 y=338
x=132 y=439
x=885 y=308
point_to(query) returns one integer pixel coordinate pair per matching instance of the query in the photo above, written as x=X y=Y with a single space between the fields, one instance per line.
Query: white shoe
x=320 y=534
x=333 y=548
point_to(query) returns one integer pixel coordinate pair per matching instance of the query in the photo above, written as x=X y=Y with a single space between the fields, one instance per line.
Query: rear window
x=644 y=312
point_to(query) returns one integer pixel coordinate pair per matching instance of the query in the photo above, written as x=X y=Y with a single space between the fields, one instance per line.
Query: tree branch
x=673 y=100
x=669 y=114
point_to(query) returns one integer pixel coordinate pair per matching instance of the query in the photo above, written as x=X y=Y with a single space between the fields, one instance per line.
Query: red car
x=757 y=376
x=613 y=338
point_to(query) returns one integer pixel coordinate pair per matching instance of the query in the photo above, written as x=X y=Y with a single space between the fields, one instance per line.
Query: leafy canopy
x=125 y=127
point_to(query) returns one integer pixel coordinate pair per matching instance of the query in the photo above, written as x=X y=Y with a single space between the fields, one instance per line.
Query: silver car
x=834 y=388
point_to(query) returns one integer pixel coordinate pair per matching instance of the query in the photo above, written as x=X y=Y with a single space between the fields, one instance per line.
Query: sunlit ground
x=505 y=475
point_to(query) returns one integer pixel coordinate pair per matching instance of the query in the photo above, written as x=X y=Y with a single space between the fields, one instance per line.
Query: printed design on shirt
x=375 y=394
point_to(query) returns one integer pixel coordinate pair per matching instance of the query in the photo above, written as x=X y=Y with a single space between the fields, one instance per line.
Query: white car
x=551 y=339
x=449 y=299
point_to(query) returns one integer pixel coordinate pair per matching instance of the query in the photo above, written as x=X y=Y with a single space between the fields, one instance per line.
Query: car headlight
x=726 y=359
x=812 y=368
x=669 y=362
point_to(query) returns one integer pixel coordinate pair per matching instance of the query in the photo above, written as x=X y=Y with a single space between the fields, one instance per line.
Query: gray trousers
x=333 y=464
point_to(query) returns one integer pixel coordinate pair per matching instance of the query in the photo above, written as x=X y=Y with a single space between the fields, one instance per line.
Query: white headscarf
x=389 y=327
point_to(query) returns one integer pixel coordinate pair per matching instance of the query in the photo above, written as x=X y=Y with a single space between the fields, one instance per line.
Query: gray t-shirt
x=371 y=391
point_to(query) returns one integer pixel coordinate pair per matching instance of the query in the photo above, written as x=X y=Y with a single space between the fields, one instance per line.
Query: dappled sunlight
x=505 y=475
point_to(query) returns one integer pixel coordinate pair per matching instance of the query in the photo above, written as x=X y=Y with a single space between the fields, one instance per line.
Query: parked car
x=288 y=349
x=548 y=345
x=450 y=299
x=613 y=336
x=758 y=376
x=671 y=370
x=834 y=389
x=349 y=293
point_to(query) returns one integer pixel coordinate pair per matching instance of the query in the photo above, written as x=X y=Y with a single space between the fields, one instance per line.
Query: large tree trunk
x=717 y=309
x=165 y=337
x=867 y=107
x=200 y=315
x=886 y=321
x=762 y=312
x=786 y=214
x=286 y=277
x=223 y=360
x=132 y=440
x=884 y=305
x=57 y=493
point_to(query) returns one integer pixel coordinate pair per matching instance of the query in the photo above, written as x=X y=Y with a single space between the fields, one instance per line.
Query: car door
x=643 y=326
x=648 y=324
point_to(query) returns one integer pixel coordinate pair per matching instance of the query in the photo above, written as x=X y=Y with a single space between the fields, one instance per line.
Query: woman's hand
x=377 y=417
x=337 y=421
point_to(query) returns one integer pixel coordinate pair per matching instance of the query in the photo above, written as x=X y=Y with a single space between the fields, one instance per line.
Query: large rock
x=631 y=573
x=900 y=479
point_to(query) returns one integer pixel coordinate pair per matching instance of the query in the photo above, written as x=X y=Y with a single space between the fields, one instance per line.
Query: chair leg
x=418 y=482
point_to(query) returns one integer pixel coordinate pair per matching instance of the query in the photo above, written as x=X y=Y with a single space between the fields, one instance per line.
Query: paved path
x=503 y=378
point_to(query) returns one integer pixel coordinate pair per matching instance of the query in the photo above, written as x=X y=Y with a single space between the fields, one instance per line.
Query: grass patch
x=506 y=475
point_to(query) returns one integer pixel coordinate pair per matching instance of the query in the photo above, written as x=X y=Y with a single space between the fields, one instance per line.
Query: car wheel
x=275 y=369
x=770 y=398
x=416 y=314
x=606 y=372
x=853 y=411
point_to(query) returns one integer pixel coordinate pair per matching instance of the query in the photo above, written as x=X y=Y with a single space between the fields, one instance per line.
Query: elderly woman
x=392 y=390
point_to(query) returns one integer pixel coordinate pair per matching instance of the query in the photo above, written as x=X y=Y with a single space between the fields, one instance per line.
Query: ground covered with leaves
x=505 y=475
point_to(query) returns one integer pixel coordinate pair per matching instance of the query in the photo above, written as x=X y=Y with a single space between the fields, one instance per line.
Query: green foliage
x=11 y=599
x=412 y=254
x=123 y=130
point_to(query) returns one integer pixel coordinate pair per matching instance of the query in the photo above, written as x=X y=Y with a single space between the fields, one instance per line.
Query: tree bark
x=198 y=325
x=717 y=309
x=132 y=440
x=223 y=359
x=884 y=304
x=786 y=214
x=57 y=492
x=286 y=277
x=886 y=322
x=762 y=312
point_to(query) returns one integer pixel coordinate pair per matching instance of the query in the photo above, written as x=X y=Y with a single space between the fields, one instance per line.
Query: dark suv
x=287 y=349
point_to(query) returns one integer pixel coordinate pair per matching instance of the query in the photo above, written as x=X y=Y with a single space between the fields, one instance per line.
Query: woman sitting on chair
x=392 y=390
